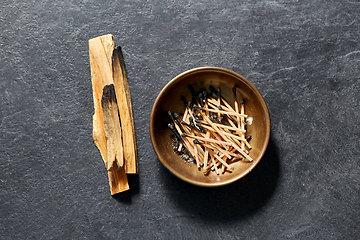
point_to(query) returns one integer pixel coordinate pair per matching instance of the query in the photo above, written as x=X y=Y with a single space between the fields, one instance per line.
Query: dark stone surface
x=303 y=56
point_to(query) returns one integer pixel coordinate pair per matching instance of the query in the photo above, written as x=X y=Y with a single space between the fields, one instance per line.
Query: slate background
x=303 y=56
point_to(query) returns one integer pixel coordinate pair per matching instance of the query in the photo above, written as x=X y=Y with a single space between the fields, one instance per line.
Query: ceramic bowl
x=169 y=99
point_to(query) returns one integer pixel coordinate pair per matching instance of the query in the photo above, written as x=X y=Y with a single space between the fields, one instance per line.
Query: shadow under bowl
x=169 y=99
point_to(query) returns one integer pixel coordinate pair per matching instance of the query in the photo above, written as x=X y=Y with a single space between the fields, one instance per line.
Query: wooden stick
x=227 y=133
x=185 y=114
x=215 y=128
x=221 y=126
x=228 y=140
x=242 y=124
x=236 y=106
x=112 y=128
x=217 y=149
x=215 y=166
x=242 y=152
x=206 y=156
x=122 y=91
x=241 y=138
x=118 y=181
x=218 y=100
x=213 y=103
x=100 y=53
x=189 y=144
x=196 y=156
x=208 y=140
x=223 y=162
x=214 y=143
x=222 y=112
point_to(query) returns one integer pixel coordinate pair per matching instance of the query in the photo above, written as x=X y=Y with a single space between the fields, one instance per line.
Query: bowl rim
x=215 y=69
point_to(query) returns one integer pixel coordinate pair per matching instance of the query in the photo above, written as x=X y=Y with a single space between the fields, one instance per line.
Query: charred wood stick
x=100 y=53
x=112 y=128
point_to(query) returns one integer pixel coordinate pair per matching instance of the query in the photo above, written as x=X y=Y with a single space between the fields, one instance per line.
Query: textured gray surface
x=303 y=56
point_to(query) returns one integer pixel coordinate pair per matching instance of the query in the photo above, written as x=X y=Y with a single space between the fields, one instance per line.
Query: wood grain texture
x=125 y=110
x=112 y=128
x=101 y=50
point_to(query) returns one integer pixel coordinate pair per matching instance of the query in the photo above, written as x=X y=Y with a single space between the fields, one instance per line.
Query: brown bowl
x=169 y=99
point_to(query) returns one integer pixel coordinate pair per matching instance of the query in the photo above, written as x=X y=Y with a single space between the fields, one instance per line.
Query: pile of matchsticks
x=212 y=131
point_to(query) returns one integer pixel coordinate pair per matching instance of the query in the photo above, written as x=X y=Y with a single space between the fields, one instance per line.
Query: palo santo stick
x=100 y=53
x=112 y=128
x=122 y=91
x=118 y=181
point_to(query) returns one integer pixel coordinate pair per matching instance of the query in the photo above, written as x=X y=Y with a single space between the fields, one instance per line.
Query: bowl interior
x=169 y=99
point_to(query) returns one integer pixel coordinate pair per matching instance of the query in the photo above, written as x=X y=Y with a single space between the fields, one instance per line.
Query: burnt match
x=212 y=130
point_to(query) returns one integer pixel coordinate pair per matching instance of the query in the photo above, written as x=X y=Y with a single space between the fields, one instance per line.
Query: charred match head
x=218 y=92
x=204 y=93
x=183 y=98
x=234 y=92
x=193 y=93
x=212 y=90
x=216 y=119
x=171 y=116
x=176 y=116
x=248 y=138
x=185 y=124
x=171 y=126
x=201 y=99
x=192 y=90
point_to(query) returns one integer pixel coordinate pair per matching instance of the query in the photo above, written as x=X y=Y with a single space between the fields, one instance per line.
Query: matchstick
x=236 y=106
x=243 y=123
x=221 y=112
x=208 y=140
x=215 y=144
